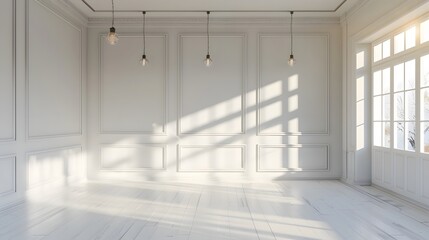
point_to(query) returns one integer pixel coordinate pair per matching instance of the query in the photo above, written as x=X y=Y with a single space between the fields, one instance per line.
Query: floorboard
x=299 y=210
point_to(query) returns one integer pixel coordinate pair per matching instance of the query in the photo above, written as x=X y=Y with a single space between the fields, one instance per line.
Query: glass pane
x=399 y=135
x=424 y=31
x=410 y=74
x=360 y=60
x=386 y=134
x=386 y=107
x=399 y=43
x=386 y=80
x=410 y=105
x=424 y=71
x=377 y=53
x=425 y=104
x=399 y=106
x=398 y=75
x=410 y=38
x=386 y=49
x=377 y=83
x=377 y=133
x=425 y=130
x=377 y=108
x=410 y=135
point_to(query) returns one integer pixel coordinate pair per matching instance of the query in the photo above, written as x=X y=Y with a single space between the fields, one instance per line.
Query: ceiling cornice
x=93 y=9
x=216 y=22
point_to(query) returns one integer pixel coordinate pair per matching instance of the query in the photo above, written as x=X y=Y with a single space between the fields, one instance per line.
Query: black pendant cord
x=208 y=35
x=291 y=32
x=113 y=14
x=144 y=33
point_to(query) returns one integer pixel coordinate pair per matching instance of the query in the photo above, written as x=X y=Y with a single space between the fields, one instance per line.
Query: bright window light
x=378 y=54
x=410 y=38
x=424 y=31
x=399 y=43
x=386 y=49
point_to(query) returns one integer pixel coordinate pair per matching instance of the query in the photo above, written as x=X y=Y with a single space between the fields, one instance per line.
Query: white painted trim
x=261 y=146
x=28 y=154
x=182 y=146
x=13 y=189
x=13 y=138
x=326 y=131
x=243 y=36
x=27 y=77
x=165 y=92
x=162 y=146
x=198 y=22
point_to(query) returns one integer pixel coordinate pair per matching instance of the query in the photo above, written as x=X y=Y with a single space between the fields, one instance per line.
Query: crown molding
x=65 y=9
x=220 y=22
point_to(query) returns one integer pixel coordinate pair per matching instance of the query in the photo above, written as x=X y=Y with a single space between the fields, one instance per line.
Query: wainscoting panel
x=293 y=100
x=285 y=158
x=211 y=158
x=7 y=175
x=7 y=71
x=133 y=98
x=402 y=172
x=54 y=166
x=54 y=76
x=219 y=88
x=133 y=157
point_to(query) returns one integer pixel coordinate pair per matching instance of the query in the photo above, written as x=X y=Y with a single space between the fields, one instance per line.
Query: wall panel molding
x=164 y=104
x=11 y=189
x=63 y=174
x=181 y=37
x=139 y=157
x=298 y=147
x=206 y=148
x=78 y=29
x=322 y=132
x=12 y=138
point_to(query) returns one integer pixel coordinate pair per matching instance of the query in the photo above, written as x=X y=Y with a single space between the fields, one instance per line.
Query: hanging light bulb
x=112 y=37
x=143 y=60
x=208 y=61
x=291 y=60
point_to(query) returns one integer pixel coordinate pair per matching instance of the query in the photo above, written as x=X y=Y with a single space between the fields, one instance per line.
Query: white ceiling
x=213 y=5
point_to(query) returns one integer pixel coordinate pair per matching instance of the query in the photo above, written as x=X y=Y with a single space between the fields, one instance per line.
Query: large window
x=400 y=84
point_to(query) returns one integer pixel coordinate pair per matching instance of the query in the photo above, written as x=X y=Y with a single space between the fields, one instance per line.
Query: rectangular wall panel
x=285 y=158
x=54 y=165
x=378 y=165
x=400 y=171
x=7 y=71
x=387 y=168
x=211 y=100
x=7 y=175
x=54 y=79
x=293 y=100
x=425 y=178
x=133 y=98
x=412 y=175
x=133 y=157
x=200 y=158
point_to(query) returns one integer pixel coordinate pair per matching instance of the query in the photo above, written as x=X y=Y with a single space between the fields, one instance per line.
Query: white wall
x=248 y=116
x=402 y=173
x=42 y=91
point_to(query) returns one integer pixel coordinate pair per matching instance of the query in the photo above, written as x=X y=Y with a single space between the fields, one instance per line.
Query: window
x=424 y=103
x=381 y=108
x=397 y=122
x=404 y=106
x=424 y=31
x=382 y=51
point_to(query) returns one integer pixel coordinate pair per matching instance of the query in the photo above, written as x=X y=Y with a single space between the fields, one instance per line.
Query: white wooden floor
x=277 y=210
